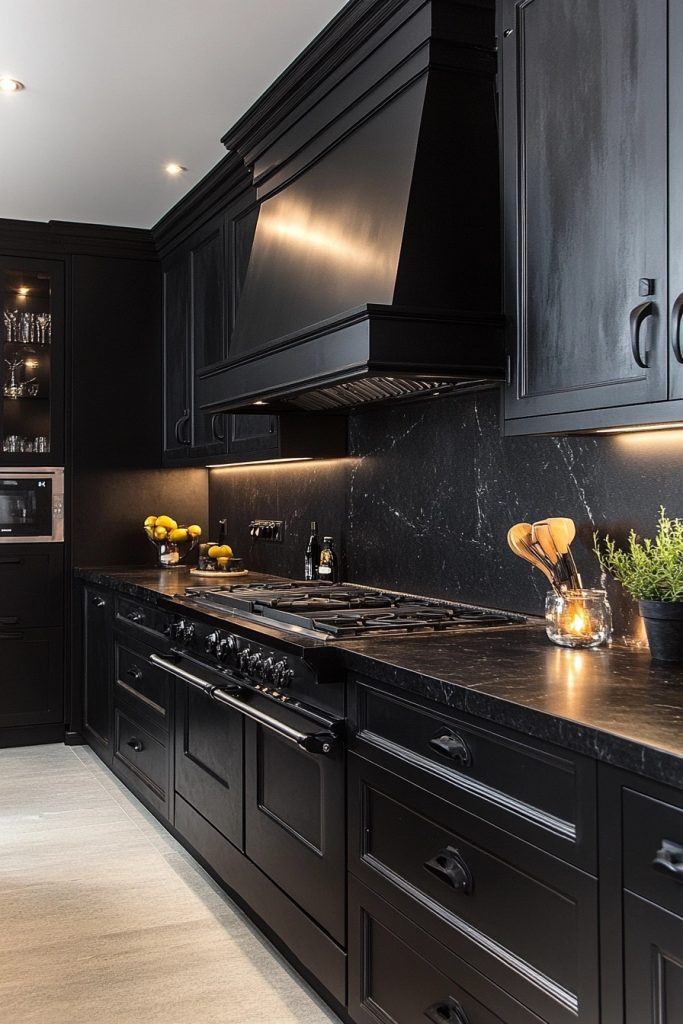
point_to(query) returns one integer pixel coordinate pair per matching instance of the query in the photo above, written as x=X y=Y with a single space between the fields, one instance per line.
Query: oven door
x=295 y=807
x=28 y=500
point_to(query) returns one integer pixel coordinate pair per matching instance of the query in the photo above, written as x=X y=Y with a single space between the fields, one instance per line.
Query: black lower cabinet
x=400 y=974
x=209 y=750
x=98 y=693
x=653 y=963
x=32 y=689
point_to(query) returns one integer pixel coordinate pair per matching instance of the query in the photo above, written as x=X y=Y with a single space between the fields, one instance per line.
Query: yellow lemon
x=215 y=551
x=160 y=532
x=167 y=522
x=194 y=531
x=149 y=530
x=151 y=520
x=225 y=551
x=223 y=561
x=177 y=535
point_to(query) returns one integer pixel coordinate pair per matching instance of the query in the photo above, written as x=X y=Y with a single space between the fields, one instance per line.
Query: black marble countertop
x=613 y=704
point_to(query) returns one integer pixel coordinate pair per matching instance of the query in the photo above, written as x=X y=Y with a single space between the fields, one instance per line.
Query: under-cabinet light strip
x=646 y=428
x=256 y=462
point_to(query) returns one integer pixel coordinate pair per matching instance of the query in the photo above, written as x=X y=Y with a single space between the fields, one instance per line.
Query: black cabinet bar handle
x=11 y=561
x=136 y=744
x=215 y=420
x=448 y=1011
x=98 y=602
x=136 y=615
x=637 y=317
x=669 y=860
x=676 y=317
x=180 y=423
x=450 y=867
x=134 y=673
x=451 y=744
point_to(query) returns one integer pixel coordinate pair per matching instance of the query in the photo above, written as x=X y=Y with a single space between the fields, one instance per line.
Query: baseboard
x=30 y=735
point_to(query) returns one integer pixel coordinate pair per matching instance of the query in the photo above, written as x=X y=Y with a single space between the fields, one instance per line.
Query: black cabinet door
x=32 y=362
x=31 y=585
x=176 y=353
x=208 y=760
x=32 y=688
x=208 y=335
x=653 y=960
x=676 y=200
x=98 y=614
x=585 y=202
x=252 y=435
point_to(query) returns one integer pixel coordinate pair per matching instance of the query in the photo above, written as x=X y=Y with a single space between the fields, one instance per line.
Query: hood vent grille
x=363 y=392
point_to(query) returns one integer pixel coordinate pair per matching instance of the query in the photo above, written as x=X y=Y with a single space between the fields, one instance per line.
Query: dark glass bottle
x=328 y=568
x=222 y=531
x=312 y=556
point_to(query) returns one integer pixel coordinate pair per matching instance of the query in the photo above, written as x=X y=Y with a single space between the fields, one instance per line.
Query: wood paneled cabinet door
x=584 y=149
x=98 y=669
x=653 y=976
x=194 y=337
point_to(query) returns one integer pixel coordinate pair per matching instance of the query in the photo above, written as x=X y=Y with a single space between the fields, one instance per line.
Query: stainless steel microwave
x=31 y=505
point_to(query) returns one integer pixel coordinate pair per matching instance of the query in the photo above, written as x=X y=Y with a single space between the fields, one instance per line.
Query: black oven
x=31 y=505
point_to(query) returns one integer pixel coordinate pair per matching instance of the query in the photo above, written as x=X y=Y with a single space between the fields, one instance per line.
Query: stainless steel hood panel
x=376 y=249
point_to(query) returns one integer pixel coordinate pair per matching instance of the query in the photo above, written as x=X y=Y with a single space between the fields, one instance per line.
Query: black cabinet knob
x=136 y=744
x=136 y=615
x=97 y=602
x=134 y=673
x=449 y=866
x=448 y=1011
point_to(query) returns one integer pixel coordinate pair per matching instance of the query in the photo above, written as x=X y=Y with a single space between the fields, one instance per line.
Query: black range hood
x=369 y=267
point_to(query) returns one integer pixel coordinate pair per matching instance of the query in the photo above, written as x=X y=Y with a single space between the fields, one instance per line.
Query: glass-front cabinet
x=32 y=362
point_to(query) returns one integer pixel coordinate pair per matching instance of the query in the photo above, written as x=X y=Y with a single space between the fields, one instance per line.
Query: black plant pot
x=664 y=628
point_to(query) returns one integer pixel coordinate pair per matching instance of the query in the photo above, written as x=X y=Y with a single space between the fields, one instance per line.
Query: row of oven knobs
x=277 y=673
x=220 y=646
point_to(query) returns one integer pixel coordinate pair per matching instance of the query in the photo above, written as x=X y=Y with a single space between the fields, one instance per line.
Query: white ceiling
x=117 y=88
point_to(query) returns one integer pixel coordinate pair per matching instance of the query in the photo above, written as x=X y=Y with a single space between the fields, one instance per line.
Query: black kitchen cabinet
x=98 y=708
x=32 y=362
x=587 y=183
x=250 y=436
x=653 y=963
x=194 y=337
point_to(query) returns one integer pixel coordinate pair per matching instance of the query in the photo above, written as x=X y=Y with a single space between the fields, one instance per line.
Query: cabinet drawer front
x=542 y=794
x=138 y=680
x=30 y=591
x=142 y=759
x=653 y=850
x=523 y=918
x=145 y=621
x=399 y=974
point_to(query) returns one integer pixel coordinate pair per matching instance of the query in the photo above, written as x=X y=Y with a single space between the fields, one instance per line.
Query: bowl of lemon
x=173 y=543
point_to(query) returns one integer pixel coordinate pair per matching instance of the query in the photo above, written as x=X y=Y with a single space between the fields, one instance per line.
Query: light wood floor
x=105 y=918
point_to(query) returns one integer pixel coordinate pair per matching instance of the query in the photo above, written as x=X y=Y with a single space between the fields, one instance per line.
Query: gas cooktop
x=344 y=611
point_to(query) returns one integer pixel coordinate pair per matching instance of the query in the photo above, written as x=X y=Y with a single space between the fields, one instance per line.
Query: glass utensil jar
x=578 y=618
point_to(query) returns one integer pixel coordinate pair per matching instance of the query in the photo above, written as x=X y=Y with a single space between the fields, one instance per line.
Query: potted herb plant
x=652 y=572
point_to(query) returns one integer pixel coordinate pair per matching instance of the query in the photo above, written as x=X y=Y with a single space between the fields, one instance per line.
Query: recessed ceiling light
x=174 y=168
x=8 y=84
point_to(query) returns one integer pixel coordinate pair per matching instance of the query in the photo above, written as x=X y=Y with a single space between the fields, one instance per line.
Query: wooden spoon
x=563 y=533
x=519 y=540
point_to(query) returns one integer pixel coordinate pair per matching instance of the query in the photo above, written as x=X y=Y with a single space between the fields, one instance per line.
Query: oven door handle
x=169 y=665
x=313 y=742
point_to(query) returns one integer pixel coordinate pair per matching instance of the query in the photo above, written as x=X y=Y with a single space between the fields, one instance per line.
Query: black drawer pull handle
x=135 y=616
x=216 y=419
x=669 y=860
x=451 y=744
x=8 y=620
x=450 y=867
x=676 y=318
x=11 y=561
x=136 y=744
x=637 y=317
x=134 y=673
x=448 y=1011
x=98 y=602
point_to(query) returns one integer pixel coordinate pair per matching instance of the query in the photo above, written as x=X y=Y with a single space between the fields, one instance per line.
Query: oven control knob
x=211 y=643
x=231 y=644
x=256 y=665
x=268 y=670
x=182 y=631
x=188 y=632
x=244 y=659
x=282 y=674
x=225 y=647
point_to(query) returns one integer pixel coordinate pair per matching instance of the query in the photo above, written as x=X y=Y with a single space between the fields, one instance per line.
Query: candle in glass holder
x=578 y=618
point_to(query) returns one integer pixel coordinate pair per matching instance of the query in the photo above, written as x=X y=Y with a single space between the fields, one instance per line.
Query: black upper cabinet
x=194 y=337
x=32 y=362
x=676 y=202
x=585 y=91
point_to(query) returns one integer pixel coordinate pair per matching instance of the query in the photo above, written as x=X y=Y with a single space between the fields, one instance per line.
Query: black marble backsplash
x=425 y=499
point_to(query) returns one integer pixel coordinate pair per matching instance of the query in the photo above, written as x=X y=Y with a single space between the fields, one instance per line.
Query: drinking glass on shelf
x=12 y=443
x=41 y=444
x=10 y=320
x=44 y=328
